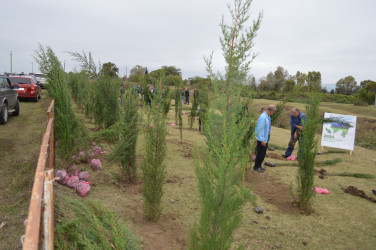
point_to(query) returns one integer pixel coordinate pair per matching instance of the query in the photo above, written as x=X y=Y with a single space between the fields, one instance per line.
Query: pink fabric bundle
x=82 y=188
x=83 y=176
x=291 y=158
x=173 y=124
x=73 y=181
x=63 y=175
x=253 y=157
x=96 y=164
x=321 y=190
x=97 y=150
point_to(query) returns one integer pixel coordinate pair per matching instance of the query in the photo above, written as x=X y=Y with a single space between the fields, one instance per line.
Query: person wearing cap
x=262 y=132
x=296 y=118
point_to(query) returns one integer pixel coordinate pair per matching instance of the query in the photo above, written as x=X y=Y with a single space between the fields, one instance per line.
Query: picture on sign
x=339 y=132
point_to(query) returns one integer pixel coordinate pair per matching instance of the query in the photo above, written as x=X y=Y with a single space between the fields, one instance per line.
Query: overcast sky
x=335 y=37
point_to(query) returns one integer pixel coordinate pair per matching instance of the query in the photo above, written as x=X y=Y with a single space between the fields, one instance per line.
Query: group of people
x=263 y=128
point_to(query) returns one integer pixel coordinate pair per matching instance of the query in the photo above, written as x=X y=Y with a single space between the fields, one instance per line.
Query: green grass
x=337 y=223
x=19 y=151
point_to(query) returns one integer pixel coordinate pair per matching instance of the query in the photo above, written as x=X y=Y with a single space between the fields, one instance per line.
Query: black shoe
x=259 y=170
x=263 y=169
x=374 y=191
x=284 y=156
x=270 y=164
x=271 y=149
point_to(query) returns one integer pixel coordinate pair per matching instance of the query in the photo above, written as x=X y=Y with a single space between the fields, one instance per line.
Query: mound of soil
x=357 y=192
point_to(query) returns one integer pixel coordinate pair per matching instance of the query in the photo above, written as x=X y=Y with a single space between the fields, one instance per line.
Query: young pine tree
x=219 y=174
x=307 y=153
x=153 y=167
x=125 y=150
x=69 y=129
x=194 y=111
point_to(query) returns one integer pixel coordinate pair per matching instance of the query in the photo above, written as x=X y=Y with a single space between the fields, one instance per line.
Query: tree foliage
x=220 y=172
x=137 y=74
x=110 y=69
x=346 y=86
x=127 y=128
x=153 y=167
x=307 y=153
x=69 y=130
x=314 y=81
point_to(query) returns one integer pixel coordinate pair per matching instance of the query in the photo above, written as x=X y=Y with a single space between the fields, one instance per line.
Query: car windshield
x=20 y=80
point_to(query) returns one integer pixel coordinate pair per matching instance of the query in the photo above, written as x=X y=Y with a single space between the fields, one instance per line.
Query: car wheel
x=16 y=109
x=4 y=114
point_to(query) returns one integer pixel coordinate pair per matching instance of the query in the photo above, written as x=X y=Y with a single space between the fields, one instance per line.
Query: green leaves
x=227 y=125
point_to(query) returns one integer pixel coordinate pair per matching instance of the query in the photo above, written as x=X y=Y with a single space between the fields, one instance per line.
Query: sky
x=335 y=37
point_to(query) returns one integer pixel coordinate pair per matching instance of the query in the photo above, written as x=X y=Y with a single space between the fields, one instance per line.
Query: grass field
x=20 y=142
x=339 y=221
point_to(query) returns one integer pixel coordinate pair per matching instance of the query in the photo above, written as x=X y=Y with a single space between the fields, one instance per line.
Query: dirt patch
x=357 y=192
x=174 y=179
x=272 y=191
x=275 y=156
x=184 y=147
x=166 y=233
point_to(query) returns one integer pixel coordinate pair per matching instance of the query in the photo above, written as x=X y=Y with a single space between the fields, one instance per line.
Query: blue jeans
x=291 y=145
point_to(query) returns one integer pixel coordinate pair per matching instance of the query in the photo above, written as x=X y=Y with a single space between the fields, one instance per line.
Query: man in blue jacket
x=296 y=119
x=262 y=132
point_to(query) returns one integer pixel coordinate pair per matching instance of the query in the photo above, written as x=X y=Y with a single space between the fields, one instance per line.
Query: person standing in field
x=181 y=96
x=187 y=96
x=296 y=118
x=262 y=132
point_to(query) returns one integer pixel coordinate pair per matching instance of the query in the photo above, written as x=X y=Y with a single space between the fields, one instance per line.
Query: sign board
x=337 y=134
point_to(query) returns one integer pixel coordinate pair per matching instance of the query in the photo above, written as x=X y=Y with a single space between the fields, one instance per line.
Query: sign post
x=340 y=132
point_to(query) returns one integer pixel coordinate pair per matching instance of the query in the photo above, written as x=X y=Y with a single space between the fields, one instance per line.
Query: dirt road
x=19 y=150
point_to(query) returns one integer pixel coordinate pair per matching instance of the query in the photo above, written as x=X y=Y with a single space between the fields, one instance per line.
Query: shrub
x=69 y=130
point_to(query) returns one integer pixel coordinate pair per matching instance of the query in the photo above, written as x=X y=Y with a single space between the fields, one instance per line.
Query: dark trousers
x=187 y=99
x=291 y=145
x=260 y=155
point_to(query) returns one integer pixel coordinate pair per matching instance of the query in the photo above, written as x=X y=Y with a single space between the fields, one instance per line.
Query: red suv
x=29 y=87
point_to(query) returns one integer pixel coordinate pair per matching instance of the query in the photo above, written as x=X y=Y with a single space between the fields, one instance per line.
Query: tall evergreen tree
x=153 y=167
x=219 y=172
x=307 y=153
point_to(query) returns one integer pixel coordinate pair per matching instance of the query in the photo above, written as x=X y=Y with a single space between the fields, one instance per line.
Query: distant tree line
x=279 y=81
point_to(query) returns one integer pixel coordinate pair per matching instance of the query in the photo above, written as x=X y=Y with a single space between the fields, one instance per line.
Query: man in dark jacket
x=187 y=95
x=296 y=119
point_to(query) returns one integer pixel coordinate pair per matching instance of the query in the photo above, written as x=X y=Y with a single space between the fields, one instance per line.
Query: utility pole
x=32 y=67
x=64 y=65
x=11 y=62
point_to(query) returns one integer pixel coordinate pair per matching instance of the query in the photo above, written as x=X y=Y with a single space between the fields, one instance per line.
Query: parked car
x=8 y=99
x=42 y=79
x=29 y=87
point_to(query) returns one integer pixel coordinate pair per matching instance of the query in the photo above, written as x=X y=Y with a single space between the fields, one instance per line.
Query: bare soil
x=357 y=192
x=272 y=191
